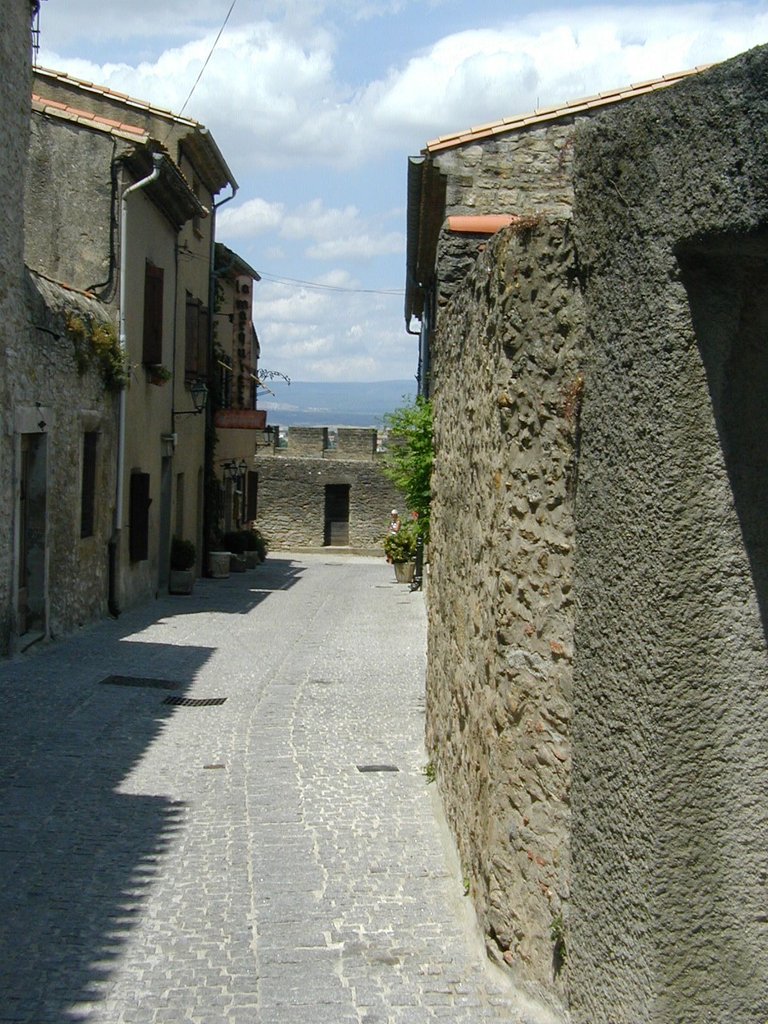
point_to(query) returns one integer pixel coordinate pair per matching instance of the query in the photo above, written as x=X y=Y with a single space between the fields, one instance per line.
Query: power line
x=329 y=287
x=210 y=54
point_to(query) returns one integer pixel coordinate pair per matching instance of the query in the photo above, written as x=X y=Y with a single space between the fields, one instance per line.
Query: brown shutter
x=153 y=315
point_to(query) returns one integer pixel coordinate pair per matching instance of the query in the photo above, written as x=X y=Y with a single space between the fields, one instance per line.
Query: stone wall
x=670 y=811
x=292 y=482
x=507 y=392
x=15 y=55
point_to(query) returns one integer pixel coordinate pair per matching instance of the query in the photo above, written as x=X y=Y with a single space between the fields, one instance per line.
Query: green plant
x=409 y=457
x=158 y=374
x=401 y=546
x=96 y=344
x=430 y=771
x=261 y=543
x=557 y=934
x=183 y=554
x=235 y=541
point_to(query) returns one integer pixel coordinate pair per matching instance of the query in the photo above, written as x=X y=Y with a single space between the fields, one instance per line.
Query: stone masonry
x=293 y=483
x=507 y=392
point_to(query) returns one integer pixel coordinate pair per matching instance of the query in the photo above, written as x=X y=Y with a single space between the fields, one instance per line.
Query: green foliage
x=182 y=554
x=96 y=345
x=401 y=546
x=236 y=541
x=430 y=771
x=408 y=462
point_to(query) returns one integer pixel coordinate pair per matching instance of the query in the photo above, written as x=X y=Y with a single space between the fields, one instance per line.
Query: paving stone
x=231 y=864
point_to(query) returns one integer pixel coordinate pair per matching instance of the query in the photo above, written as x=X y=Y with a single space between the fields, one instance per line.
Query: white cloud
x=253 y=217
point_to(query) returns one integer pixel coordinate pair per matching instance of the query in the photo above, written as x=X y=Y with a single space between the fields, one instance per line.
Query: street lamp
x=199 y=392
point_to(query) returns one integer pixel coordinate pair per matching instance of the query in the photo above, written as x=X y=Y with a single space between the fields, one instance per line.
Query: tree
x=408 y=462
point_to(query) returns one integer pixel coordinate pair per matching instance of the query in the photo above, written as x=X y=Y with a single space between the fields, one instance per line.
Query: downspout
x=117 y=523
x=208 y=464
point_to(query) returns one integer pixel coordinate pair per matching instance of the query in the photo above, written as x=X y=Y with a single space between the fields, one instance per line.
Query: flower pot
x=251 y=559
x=181 y=581
x=218 y=564
x=236 y=563
x=404 y=571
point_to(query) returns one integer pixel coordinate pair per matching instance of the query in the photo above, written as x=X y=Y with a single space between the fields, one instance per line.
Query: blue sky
x=317 y=106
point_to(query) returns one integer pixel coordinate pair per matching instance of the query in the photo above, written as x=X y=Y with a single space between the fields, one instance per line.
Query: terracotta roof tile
x=54 y=108
x=122 y=97
x=567 y=109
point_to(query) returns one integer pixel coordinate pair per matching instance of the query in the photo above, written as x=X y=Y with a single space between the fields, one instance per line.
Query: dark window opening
x=336 y=515
x=88 y=488
x=139 y=501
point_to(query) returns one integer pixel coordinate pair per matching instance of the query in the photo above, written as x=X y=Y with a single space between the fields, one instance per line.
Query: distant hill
x=326 y=404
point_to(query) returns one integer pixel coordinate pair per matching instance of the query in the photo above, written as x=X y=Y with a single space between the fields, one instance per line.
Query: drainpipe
x=208 y=466
x=119 y=489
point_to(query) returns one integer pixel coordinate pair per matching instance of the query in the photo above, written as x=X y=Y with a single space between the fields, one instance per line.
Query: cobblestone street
x=186 y=831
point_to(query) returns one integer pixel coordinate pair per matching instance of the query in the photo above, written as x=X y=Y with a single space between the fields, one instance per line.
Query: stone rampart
x=507 y=391
x=301 y=483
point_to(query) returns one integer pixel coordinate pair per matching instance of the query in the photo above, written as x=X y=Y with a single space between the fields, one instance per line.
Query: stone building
x=597 y=639
x=310 y=494
x=15 y=84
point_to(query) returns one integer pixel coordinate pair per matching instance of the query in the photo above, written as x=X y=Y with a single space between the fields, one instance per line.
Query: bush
x=235 y=542
x=183 y=554
x=401 y=546
x=260 y=541
x=409 y=457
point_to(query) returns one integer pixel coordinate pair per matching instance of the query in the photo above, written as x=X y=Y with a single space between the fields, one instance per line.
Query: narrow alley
x=215 y=809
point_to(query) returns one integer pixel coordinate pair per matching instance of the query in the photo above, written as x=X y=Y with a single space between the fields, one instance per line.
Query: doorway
x=336 y=515
x=31 y=592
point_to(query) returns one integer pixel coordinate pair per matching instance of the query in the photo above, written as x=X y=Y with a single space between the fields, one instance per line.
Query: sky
x=316 y=106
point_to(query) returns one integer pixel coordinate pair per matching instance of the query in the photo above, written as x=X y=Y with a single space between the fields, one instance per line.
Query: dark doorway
x=336 y=515
x=32 y=530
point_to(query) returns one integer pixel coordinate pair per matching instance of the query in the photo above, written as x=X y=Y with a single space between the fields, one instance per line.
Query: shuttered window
x=196 y=337
x=152 y=353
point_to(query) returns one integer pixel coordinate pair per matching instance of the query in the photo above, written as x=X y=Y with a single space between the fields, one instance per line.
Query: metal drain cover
x=372 y=767
x=194 y=702
x=156 y=684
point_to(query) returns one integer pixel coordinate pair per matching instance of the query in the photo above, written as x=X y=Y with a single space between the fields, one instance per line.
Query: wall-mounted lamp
x=269 y=438
x=199 y=392
x=235 y=471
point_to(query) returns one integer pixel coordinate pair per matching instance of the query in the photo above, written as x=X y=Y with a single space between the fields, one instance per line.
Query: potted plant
x=400 y=549
x=182 y=576
x=251 y=549
x=261 y=544
x=235 y=542
x=158 y=374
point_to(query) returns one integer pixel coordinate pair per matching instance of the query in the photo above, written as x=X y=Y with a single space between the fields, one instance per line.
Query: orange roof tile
x=101 y=90
x=568 y=109
x=60 y=110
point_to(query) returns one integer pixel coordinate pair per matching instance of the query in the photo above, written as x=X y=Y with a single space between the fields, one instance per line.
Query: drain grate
x=376 y=767
x=194 y=702
x=156 y=684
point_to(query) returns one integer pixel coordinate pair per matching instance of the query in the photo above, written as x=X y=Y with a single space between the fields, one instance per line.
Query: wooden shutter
x=153 y=315
x=88 y=488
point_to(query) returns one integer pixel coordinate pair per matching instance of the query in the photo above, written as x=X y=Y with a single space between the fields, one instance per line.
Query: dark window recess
x=252 y=495
x=139 y=517
x=196 y=339
x=152 y=352
x=88 y=491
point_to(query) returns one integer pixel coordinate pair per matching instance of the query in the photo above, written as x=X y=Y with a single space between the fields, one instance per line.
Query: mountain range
x=334 y=404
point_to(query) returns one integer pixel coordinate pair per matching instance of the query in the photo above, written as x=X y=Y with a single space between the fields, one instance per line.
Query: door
x=31 y=593
x=336 y=515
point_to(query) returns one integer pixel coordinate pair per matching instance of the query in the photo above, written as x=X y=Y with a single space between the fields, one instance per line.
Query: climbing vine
x=96 y=345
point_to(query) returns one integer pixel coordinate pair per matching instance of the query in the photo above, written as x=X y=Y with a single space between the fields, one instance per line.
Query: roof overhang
x=426 y=213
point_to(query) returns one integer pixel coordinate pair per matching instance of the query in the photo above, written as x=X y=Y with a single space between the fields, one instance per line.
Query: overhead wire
x=207 y=59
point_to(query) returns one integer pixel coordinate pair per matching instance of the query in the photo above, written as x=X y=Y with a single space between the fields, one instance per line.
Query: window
x=88 y=486
x=252 y=496
x=196 y=334
x=152 y=352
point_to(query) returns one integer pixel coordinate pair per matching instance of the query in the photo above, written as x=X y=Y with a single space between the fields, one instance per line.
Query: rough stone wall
x=507 y=389
x=670 y=792
x=528 y=172
x=15 y=54
x=292 y=482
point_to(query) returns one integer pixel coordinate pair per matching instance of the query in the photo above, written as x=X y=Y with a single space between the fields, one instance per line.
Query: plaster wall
x=507 y=360
x=670 y=816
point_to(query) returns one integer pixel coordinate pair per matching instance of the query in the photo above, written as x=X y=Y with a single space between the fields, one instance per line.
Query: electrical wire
x=210 y=54
x=274 y=279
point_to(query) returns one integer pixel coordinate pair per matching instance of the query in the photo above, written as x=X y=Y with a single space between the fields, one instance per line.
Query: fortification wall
x=507 y=364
